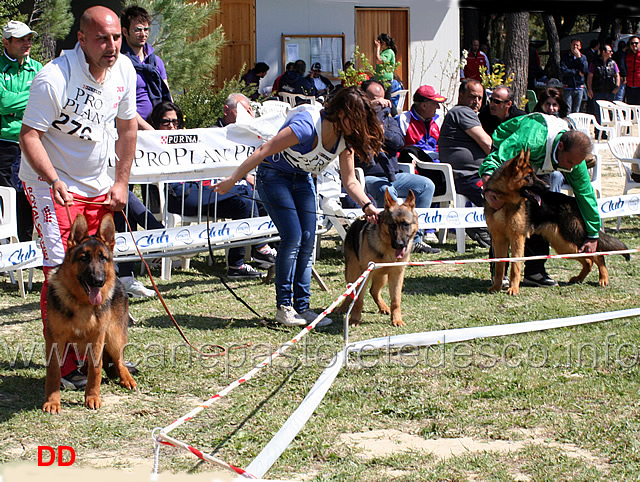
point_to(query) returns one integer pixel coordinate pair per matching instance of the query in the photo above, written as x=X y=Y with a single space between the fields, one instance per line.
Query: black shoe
x=263 y=260
x=480 y=236
x=76 y=380
x=541 y=280
x=422 y=247
x=635 y=177
x=245 y=272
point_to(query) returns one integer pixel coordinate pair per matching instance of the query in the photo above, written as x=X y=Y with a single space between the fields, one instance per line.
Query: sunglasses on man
x=495 y=101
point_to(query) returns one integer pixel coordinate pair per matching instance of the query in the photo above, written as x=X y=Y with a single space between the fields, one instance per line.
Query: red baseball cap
x=430 y=93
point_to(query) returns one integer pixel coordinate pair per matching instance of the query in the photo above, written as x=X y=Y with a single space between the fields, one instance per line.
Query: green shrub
x=202 y=104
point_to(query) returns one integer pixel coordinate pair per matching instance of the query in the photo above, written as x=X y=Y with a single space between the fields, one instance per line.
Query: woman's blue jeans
x=290 y=201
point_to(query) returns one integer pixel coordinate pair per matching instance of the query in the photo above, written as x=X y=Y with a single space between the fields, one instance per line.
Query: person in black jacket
x=382 y=173
x=620 y=60
x=499 y=109
x=603 y=80
x=574 y=67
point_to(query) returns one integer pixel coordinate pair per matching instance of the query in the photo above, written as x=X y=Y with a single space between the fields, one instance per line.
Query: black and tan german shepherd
x=87 y=308
x=389 y=241
x=528 y=207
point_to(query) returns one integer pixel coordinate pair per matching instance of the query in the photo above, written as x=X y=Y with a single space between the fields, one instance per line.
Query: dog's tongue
x=401 y=252
x=95 y=297
x=538 y=199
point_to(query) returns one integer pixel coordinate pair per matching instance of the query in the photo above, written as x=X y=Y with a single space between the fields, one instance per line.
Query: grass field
x=552 y=405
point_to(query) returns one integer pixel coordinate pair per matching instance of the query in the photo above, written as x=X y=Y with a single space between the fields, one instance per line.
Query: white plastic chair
x=596 y=179
x=624 y=149
x=634 y=111
x=624 y=117
x=271 y=106
x=9 y=230
x=583 y=123
x=401 y=95
x=615 y=117
x=450 y=196
x=291 y=98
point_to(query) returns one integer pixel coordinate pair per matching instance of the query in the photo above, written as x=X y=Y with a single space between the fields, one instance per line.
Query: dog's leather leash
x=223 y=350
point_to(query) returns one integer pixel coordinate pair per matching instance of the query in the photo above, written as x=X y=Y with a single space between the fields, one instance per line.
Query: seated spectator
x=299 y=84
x=236 y=204
x=382 y=173
x=291 y=77
x=464 y=144
x=420 y=129
x=499 y=109
x=276 y=83
x=322 y=84
x=254 y=76
x=552 y=102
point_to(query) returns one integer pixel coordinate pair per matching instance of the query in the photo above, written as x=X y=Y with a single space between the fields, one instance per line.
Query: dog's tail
x=609 y=243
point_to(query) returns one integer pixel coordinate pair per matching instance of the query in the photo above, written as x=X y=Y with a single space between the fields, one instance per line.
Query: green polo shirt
x=531 y=132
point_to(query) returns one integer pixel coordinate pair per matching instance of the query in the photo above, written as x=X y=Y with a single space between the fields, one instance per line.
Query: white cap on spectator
x=16 y=29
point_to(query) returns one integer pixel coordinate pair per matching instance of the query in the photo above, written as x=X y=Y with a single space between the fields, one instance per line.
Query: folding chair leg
x=460 y=240
x=20 y=278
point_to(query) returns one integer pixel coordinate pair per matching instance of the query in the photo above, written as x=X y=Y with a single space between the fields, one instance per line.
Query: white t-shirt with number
x=77 y=115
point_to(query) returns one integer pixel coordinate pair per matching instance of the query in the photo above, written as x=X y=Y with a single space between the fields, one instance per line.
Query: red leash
x=222 y=350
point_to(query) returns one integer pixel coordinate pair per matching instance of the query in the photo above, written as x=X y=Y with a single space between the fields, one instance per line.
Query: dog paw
x=495 y=289
x=513 y=290
x=384 y=310
x=130 y=384
x=93 y=402
x=603 y=282
x=354 y=322
x=398 y=323
x=51 y=407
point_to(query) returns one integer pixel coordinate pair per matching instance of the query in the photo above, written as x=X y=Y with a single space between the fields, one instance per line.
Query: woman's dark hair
x=367 y=134
x=160 y=110
x=563 y=109
x=386 y=38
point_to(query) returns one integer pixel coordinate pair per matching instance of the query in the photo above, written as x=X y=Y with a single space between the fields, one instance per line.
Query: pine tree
x=52 y=19
x=176 y=34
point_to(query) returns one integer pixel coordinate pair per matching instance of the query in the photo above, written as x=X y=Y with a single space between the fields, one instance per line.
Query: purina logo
x=179 y=139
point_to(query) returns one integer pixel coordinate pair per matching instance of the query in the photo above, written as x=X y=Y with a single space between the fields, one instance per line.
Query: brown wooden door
x=238 y=20
x=371 y=22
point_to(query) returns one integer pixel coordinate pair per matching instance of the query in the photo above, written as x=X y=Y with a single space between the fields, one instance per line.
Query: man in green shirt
x=553 y=147
x=17 y=70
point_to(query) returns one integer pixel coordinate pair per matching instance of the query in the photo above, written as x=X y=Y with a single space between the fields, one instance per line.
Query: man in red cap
x=420 y=125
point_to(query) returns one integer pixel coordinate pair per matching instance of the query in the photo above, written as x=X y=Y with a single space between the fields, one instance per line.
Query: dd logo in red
x=51 y=458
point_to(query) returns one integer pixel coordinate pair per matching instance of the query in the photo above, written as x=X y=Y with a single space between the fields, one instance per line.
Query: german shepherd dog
x=530 y=208
x=388 y=241
x=87 y=307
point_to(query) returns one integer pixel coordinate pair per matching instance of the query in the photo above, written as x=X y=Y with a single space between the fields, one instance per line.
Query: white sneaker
x=288 y=317
x=134 y=288
x=311 y=316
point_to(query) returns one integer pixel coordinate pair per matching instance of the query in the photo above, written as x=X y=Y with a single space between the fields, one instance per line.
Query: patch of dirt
x=385 y=442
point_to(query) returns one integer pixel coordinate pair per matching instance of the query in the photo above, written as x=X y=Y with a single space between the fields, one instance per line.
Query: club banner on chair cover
x=163 y=241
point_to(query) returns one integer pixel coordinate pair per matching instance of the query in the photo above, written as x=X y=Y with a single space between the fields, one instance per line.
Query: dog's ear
x=79 y=231
x=410 y=200
x=107 y=231
x=389 y=202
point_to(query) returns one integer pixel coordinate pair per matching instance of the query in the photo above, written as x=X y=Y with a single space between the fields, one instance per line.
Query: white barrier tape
x=281 y=440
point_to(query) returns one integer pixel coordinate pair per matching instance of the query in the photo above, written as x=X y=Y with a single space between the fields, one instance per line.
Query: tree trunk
x=552 y=69
x=516 y=52
x=470 y=26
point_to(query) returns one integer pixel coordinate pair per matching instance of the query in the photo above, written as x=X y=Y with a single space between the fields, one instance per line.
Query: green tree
x=52 y=19
x=176 y=35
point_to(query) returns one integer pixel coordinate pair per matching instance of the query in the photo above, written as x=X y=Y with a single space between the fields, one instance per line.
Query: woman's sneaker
x=135 y=288
x=310 y=316
x=287 y=316
x=264 y=257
